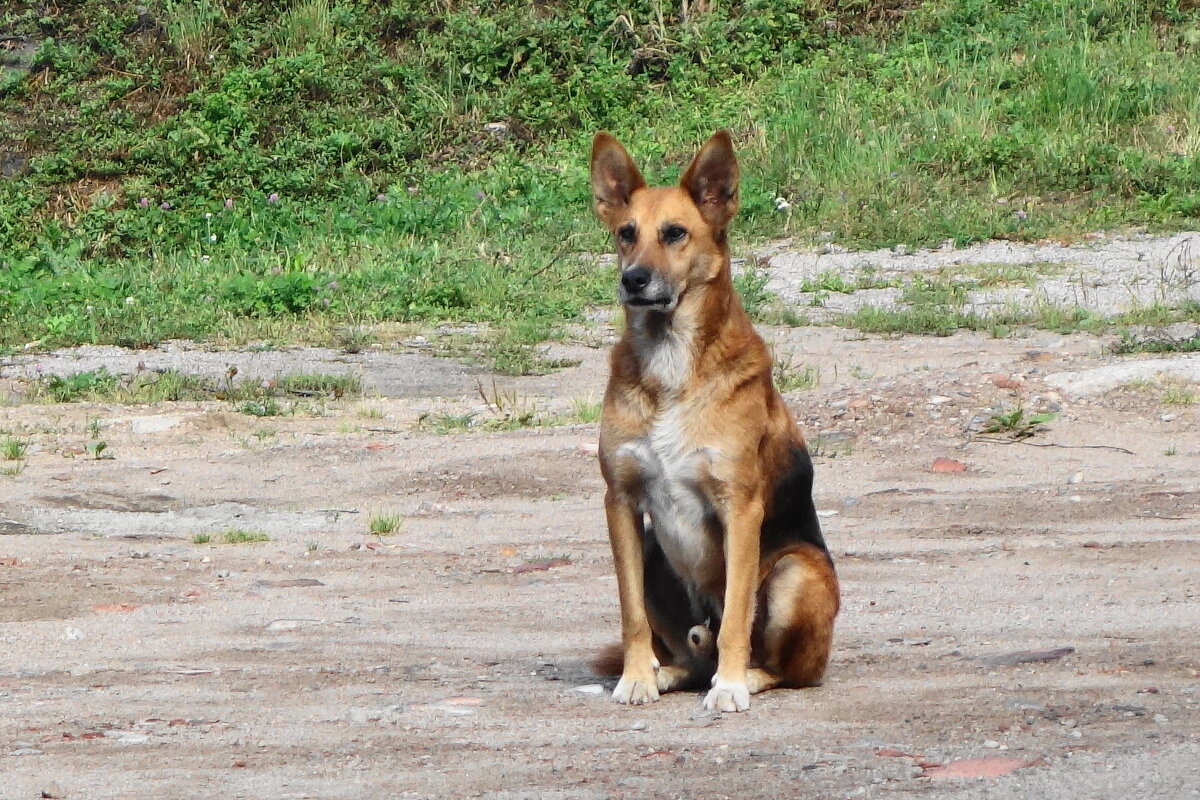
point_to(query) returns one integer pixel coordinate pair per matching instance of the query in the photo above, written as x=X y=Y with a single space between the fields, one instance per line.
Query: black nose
x=635 y=279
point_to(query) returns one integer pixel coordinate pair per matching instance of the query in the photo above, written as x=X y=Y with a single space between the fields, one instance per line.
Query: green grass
x=385 y=524
x=308 y=171
x=790 y=377
x=251 y=396
x=242 y=536
x=13 y=449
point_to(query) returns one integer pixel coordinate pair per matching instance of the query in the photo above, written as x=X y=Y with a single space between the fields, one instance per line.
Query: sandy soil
x=450 y=658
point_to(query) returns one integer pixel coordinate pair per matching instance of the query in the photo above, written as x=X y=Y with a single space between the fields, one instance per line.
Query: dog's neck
x=669 y=347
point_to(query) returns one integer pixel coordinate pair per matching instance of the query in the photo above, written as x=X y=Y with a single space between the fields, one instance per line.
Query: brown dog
x=709 y=501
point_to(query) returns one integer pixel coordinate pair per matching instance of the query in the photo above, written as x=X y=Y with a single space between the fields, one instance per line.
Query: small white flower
x=205 y=259
x=781 y=204
x=208 y=215
x=129 y=301
x=212 y=237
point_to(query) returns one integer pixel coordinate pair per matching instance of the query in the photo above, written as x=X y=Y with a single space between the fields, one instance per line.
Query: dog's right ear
x=614 y=177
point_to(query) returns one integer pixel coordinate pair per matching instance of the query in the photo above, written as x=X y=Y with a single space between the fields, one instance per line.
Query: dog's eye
x=627 y=233
x=673 y=233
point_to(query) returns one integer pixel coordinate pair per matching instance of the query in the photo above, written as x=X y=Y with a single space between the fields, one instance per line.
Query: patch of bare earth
x=1022 y=627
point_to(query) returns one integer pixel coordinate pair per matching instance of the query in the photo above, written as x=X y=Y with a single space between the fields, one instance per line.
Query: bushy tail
x=610 y=661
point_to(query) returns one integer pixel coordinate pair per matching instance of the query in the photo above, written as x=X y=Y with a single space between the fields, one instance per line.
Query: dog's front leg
x=639 y=683
x=743 y=532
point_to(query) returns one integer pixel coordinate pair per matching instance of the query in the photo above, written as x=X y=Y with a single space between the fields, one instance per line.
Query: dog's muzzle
x=641 y=287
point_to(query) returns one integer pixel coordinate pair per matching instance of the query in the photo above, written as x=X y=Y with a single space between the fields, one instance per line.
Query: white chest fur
x=675 y=478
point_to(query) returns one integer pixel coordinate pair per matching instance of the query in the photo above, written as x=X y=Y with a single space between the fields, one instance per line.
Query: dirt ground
x=1038 y=609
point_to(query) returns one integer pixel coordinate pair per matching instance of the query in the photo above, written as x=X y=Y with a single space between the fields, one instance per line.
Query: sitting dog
x=709 y=485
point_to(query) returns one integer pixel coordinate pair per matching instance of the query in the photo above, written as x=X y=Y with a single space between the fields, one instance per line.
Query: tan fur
x=695 y=436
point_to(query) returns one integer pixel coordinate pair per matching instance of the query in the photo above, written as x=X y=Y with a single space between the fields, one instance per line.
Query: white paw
x=632 y=691
x=727 y=696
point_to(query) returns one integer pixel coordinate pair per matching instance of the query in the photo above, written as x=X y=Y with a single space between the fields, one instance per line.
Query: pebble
x=1076 y=478
x=590 y=688
x=26 y=751
x=133 y=738
x=640 y=725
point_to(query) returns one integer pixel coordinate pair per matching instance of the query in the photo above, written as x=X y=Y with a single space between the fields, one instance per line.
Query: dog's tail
x=610 y=661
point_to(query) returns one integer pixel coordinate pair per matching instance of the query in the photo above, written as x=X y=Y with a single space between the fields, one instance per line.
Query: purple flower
x=229 y=202
x=273 y=197
x=325 y=301
x=333 y=285
x=381 y=198
x=481 y=195
x=165 y=206
x=1021 y=215
x=144 y=202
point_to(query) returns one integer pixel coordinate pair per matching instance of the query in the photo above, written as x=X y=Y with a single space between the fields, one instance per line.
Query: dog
x=724 y=578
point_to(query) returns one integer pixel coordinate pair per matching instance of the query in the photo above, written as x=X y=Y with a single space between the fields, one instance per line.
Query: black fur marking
x=792 y=517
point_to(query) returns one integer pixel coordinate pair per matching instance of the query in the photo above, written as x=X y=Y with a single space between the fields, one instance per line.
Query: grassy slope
x=220 y=169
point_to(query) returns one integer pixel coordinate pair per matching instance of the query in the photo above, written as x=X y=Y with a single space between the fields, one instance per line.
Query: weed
x=370 y=412
x=385 y=524
x=265 y=407
x=243 y=536
x=1017 y=424
x=791 y=378
x=1179 y=395
x=97 y=384
x=443 y=424
x=1172 y=450
x=353 y=339
x=319 y=385
x=98 y=450
x=12 y=470
x=201 y=538
x=586 y=409
x=13 y=449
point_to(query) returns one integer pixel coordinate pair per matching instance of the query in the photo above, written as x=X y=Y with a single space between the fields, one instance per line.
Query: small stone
x=133 y=738
x=1169 y=417
x=827 y=512
x=73 y=634
x=1076 y=478
x=1160 y=719
x=939 y=399
x=590 y=688
x=26 y=751
x=991 y=744
x=1069 y=722
x=640 y=725
x=947 y=465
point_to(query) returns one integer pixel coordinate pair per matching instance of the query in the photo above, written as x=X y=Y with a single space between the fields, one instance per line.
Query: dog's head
x=669 y=239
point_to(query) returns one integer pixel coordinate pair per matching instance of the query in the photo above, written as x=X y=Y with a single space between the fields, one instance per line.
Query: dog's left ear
x=712 y=180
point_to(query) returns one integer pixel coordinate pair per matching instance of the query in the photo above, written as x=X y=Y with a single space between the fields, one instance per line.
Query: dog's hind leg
x=797 y=602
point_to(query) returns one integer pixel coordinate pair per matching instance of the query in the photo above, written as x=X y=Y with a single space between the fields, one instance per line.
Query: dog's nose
x=635 y=279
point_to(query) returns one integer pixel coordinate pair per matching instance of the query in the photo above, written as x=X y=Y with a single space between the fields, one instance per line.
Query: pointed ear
x=712 y=180
x=614 y=177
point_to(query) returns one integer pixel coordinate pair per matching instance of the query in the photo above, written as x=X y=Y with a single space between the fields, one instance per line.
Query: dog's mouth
x=659 y=303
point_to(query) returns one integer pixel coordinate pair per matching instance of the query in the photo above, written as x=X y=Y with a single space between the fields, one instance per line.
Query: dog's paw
x=636 y=691
x=727 y=696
